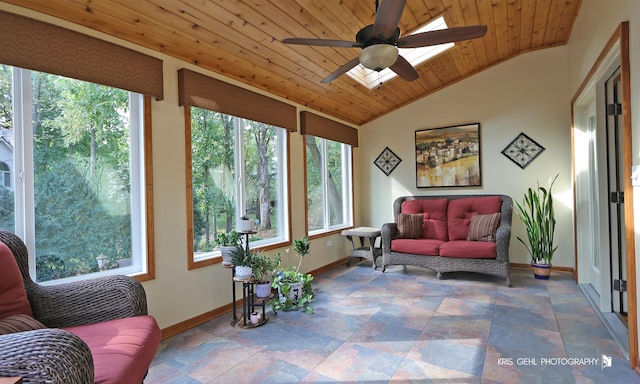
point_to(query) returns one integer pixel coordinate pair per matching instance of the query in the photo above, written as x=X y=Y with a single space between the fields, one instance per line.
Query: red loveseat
x=88 y=331
x=450 y=233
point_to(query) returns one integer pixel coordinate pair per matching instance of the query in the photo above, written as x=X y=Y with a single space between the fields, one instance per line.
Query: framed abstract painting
x=448 y=156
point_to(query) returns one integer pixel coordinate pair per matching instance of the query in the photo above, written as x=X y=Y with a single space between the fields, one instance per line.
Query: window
x=329 y=196
x=237 y=168
x=78 y=176
x=5 y=174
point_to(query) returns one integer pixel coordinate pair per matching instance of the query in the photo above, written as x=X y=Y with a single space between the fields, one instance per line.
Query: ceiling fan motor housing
x=377 y=54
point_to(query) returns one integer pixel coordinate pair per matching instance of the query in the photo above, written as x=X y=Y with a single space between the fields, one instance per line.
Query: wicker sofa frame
x=54 y=355
x=497 y=267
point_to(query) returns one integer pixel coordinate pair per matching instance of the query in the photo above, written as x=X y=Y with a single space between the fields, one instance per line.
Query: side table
x=370 y=252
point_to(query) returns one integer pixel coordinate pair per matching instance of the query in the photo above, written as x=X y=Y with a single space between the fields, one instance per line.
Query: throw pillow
x=483 y=227
x=19 y=323
x=410 y=225
x=12 y=294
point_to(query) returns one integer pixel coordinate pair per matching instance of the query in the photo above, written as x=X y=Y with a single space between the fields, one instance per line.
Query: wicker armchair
x=55 y=355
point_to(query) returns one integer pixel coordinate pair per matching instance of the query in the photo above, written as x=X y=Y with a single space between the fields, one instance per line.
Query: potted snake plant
x=241 y=261
x=537 y=214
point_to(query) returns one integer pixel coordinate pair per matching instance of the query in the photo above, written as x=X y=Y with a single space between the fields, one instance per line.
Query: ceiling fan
x=380 y=42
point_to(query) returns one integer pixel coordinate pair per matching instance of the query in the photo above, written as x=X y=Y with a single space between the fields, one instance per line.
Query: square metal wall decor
x=387 y=161
x=522 y=150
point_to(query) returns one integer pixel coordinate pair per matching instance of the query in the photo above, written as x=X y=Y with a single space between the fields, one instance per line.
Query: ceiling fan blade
x=404 y=69
x=387 y=18
x=323 y=42
x=442 y=36
x=342 y=70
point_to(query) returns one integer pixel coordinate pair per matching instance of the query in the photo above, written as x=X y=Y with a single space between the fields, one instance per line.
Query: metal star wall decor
x=387 y=161
x=522 y=150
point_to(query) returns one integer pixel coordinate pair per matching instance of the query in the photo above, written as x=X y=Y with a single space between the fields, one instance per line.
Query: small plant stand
x=249 y=299
x=370 y=252
x=249 y=304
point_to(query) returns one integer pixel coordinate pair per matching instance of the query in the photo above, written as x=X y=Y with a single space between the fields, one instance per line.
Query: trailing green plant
x=285 y=278
x=228 y=239
x=537 y=214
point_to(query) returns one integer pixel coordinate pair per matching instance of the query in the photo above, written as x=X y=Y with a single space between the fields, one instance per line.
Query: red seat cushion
x=122 y=349
x=461 y=210
x=13 y=297
x=428 y=247
x=434 y=225
x=468 y=249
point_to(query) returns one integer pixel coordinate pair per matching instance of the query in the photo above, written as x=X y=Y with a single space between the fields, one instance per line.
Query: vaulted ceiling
x=242 y=39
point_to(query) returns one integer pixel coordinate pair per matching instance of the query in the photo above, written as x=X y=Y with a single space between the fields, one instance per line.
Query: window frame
x=5 y=175
x=141 y=192
x=283 y=183
x=347 y=189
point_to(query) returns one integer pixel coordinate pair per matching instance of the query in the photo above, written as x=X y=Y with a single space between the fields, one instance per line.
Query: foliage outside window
x=237 y=169
x=329 y=196
x=75 y=154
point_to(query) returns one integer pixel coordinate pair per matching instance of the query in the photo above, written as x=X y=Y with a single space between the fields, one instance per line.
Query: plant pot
x=227 y=251
x=541 y=271
x=263 y=289
x=295 y=291
x=255 y=317
x=245 y=226
x=243 y=272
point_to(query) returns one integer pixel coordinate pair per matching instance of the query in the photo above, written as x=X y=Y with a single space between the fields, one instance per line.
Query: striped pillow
x=483 y=227
x=410 y=225
x=19 y=323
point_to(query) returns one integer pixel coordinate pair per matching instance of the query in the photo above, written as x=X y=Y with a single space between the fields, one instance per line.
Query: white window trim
x=241 y=202
x=24 y=180
x=346 y=186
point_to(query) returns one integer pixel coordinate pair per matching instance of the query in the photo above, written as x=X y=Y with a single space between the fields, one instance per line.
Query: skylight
x=415 y=56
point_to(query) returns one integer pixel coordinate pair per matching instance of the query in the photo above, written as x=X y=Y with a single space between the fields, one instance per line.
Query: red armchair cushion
x=468 y=249
x=122 y=349
x=461 y=210
x=13 y=297
x=428 y=247
x=434 y=224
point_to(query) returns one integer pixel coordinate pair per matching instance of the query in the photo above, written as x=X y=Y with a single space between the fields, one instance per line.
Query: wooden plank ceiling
x=241 y=39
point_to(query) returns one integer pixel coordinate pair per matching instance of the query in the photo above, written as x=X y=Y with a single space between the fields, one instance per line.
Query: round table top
x=362 y=231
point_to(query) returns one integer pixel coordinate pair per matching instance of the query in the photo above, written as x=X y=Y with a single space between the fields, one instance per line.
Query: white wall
x=526 y=94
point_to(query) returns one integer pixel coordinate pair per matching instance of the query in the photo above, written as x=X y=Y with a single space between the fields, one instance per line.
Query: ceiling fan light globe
x=379 y=56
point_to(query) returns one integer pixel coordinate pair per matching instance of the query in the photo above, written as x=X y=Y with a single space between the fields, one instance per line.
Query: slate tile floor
x=406 y=326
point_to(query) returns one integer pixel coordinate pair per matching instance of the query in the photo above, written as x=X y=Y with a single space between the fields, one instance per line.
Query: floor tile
x=408 y=326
